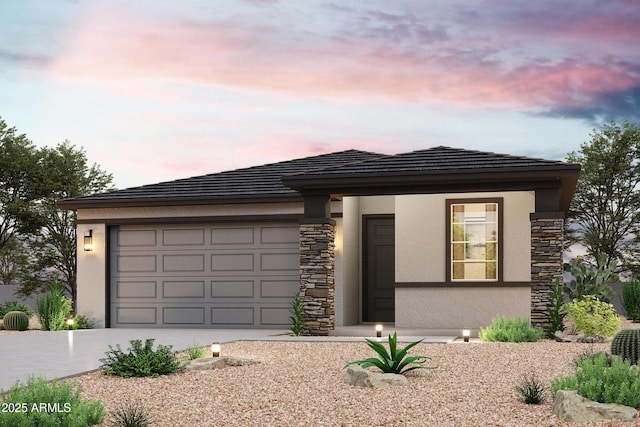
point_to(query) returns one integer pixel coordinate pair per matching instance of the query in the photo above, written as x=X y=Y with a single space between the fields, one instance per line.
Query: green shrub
x=140 y=361
x=43 y=404
x=54 y=308
x=531 y=390
x=597 y=380
x=16 y=321
x=515 y=329
x=591 y=281
x=130 y=415
x=555 y=308
x=593 y=317
x=15 y=306
x=297 y=315
x=82 y=322
x=396 y=361
x=626 y=344
x=631 y=299
x=196 y=351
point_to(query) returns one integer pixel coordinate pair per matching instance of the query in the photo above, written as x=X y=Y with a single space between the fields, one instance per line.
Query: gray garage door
x=213 y=276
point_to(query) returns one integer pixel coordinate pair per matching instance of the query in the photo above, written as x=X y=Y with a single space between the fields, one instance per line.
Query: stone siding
x=547 y=240
x=317 y=266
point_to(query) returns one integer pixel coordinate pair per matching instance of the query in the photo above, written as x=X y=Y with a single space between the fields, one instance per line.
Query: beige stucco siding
x=421 y=258
x=91 y=274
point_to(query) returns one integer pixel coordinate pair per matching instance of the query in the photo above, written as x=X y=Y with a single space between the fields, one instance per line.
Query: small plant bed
x=515 y=330
x=141 y=360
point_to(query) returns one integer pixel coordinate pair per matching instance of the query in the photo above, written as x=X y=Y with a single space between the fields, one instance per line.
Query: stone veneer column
x=547 y=237
x=317 y=262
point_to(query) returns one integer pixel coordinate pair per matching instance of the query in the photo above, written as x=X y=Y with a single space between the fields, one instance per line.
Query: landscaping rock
x=562 y=337
x=591 y=339
x=360 y=377
x=217 y=363
x=570 y=406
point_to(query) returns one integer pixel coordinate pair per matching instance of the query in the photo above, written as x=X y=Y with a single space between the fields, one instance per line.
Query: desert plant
x=297 y=315
x=54 y=308
x=140 y=361
x=531 y=390
x=48 y=404
x=600 y=380
x=631 y=299
x=626 y=344
x=396 y=361
x=130 y=415
x=515 y=329
x=593 y=317
x=196 y=351
x=15 y=306
x=591 y=281
x=555 y=308
x=16 y=321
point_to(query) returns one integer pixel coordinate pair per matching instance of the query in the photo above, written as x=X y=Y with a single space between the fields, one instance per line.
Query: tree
x=605 y=212
x=18 y=166
x=63 y=173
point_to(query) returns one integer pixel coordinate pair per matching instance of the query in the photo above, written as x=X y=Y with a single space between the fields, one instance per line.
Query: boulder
x=591 y=339
x=570 y=406
x=358 y=376
x=217 y=363
x=562 y=337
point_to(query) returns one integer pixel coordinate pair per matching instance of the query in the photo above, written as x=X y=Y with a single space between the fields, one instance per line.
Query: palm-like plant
x=395 y=361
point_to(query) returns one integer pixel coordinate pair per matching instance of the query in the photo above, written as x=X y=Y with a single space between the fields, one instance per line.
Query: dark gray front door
x=379 y=269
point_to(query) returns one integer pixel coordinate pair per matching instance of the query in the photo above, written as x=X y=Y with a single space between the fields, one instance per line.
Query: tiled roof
x=254 y=182
x=436 y=160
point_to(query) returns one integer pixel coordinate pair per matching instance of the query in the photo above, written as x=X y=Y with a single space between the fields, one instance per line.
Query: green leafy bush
x=515 y=329
x=598 y=380
x=396 y=361
x=130 y=415
x=196 y=351
x=531 y=390
x=82 y=322
x=591 y=281
x=593 y=317
x=555 y=308
x=15 y=306
x=54 y=308
x=140 y=361
x=631 y=299
x=44 y=404
x=297 y=315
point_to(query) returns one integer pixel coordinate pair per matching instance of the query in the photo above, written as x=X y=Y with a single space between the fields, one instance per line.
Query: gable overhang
x=556 y=183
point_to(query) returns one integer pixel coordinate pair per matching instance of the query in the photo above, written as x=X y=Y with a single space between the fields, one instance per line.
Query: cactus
x=16 y=321
x=626 y=344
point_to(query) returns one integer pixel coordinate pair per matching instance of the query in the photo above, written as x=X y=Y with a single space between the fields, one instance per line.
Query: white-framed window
x=474 y=239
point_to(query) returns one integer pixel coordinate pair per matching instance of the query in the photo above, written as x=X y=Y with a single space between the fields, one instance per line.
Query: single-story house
x=440 y=239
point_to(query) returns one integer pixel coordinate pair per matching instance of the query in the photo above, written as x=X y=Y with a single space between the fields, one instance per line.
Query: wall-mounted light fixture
x=88 y=241
x=378 y=330
x=466 y=333
x=215 y=349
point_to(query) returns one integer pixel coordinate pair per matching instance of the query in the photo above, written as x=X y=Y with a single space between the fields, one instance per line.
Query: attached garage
x=237 y=275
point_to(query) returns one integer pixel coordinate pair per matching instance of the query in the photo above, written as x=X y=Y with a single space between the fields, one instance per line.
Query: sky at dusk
x=157 y=90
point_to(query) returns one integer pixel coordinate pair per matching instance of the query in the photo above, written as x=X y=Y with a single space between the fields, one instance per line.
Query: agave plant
x=395 y=361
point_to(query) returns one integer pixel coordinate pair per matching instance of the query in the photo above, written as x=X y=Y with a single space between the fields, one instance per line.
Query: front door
x=379 y=269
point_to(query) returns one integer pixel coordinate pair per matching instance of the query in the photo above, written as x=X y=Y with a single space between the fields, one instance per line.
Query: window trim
x=500 y=260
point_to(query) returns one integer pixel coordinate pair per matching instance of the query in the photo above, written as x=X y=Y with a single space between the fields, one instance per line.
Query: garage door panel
x=183 y=316
x=203 y=276
x=279 y=288
x=230 y=316
x=183 y=289
x=232 y=289
x=136 y=316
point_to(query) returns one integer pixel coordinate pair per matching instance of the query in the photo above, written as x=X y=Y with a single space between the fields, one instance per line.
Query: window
x=474 y=241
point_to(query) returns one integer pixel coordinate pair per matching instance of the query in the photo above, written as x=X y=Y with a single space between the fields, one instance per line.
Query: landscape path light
x=378 y=330
x=215 y=349
x=466 y=333
x=70 y=323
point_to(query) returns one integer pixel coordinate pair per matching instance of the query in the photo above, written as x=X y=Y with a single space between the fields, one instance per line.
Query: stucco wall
x=91 y=274
x=421 y=258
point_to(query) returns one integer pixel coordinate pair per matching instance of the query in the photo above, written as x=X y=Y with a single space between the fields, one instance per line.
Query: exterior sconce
x=378 y=330
x=88 y=241
x=70 y=323
x=466 y=333
x=215 y=349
